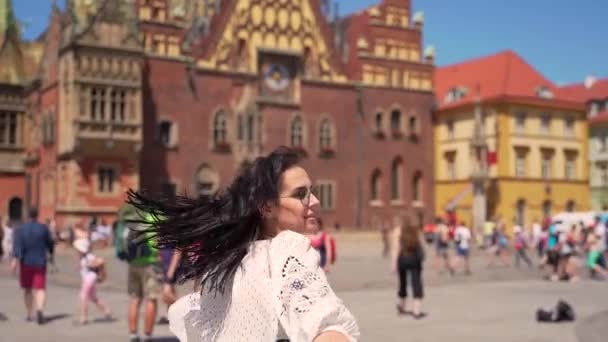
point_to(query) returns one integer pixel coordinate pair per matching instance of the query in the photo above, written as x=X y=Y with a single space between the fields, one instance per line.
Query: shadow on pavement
x=165 y=339
x=51 y=318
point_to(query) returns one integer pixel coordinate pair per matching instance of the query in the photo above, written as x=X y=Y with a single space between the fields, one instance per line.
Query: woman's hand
x=331 y=336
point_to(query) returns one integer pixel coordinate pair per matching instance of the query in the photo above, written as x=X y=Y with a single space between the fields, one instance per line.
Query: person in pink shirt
x=320 y=240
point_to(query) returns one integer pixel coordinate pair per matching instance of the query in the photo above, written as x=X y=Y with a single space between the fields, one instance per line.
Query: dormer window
x=544 y=92
x=455 y=94
x=594 y=108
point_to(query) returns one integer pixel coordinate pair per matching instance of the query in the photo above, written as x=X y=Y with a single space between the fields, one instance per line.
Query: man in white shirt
x=600 y=232
x=462 y=237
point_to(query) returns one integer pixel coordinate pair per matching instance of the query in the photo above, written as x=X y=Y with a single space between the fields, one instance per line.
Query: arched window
x=220 y=133
x=376 y=185
x=520 y=213
x=378 y=123
x=396 y=172
x=413 y=125
x=396 y=121
x=417 y=187
x=325 y=136
x=206 y=180
x=15 y=209
x=297 y=132
x=570 y=206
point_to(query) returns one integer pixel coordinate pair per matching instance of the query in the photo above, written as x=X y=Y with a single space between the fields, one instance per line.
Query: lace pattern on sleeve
x=307 y=306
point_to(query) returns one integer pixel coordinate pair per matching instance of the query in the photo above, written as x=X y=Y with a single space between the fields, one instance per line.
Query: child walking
x=92 y=270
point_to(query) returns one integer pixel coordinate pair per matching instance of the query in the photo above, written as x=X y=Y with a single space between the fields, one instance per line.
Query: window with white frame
x=570 y=171
x=325 y=135
x=396 y=121
x=97 y=103
x=546 y=165
x=376 y=185
x=297 y=132
x=106 y=176
x=450 y=129
x=545 y=123
x=118 y=101
x=327 y=195
x=378 y=123
x=9 y=127
x=220 y=134
x=520 y=122
x=520 y=163
x=594 y=108
x=602 y=169
x=396 y=176
x=206 y=180
x=569 y=126
x=417 y=187
x=450 y=159
x=600 y=142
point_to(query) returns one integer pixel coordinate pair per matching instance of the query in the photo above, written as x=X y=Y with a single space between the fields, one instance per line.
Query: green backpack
x=128 y=242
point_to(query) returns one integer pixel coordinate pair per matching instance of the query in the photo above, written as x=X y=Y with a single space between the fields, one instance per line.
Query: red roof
x=501 y=75
x=579 y=92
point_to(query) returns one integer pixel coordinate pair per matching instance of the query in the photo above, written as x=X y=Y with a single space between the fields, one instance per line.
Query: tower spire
x=8 y=23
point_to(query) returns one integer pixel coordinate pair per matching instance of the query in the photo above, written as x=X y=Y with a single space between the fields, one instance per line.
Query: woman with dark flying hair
x=256 y=275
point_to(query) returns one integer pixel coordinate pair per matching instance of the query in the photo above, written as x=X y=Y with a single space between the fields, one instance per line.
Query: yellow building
x=536 y=141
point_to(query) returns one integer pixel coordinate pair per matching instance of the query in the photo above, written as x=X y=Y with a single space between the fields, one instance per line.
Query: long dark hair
x=410 y=240
x=214 y=232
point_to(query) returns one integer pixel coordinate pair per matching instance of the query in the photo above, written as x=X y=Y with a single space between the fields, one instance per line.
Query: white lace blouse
x=279 y=292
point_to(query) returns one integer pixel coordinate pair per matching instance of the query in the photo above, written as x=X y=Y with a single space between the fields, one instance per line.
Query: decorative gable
x=281 y=26
x=105 y=22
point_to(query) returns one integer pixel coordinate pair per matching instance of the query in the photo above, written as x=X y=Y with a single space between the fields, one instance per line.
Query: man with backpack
x=145 y=274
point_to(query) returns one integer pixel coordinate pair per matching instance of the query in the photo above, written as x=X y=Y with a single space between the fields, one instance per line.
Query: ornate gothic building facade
x=176 y=96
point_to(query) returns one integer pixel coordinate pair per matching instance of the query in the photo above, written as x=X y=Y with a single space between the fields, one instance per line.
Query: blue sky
x=563 y=39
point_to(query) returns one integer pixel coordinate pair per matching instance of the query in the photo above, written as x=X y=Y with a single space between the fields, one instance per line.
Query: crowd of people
x=155 y=266
x=562 y=247
x=266 y=224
